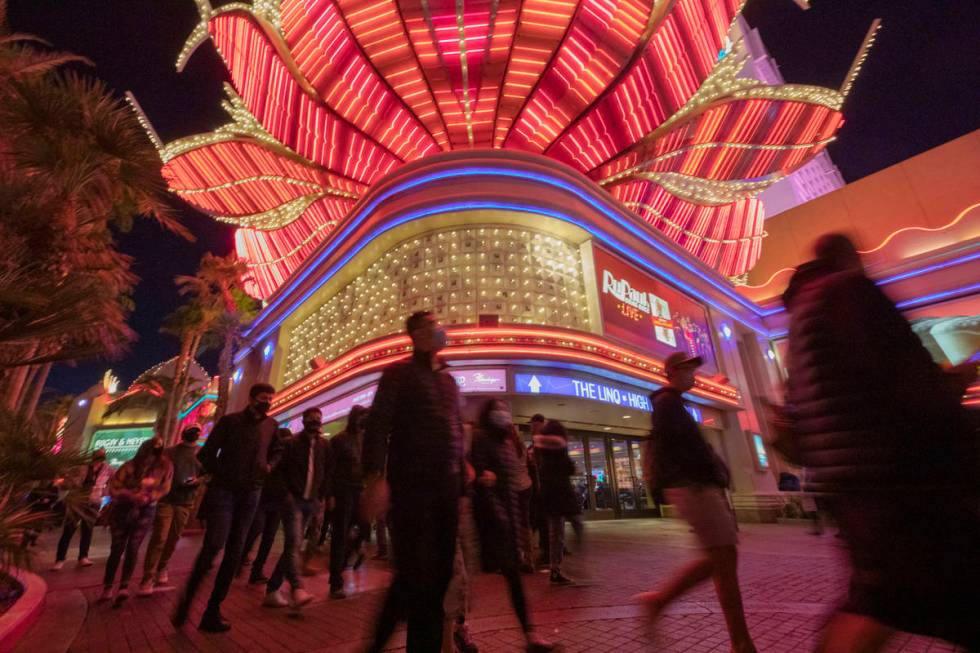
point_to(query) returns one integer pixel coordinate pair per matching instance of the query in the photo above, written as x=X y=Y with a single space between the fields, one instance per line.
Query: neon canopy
x=642 y=96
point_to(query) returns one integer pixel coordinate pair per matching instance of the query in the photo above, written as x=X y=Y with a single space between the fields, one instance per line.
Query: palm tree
x=218 y=288
x=75 y=168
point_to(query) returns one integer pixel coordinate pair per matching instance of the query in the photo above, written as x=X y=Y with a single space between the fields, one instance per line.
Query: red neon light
x=352 y=89
x=506 y=342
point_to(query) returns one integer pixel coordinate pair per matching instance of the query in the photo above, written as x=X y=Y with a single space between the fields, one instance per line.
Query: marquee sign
x=120 y=444
x=648 y=314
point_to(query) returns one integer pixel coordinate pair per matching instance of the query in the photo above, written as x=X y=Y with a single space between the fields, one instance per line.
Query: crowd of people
x=876 y=424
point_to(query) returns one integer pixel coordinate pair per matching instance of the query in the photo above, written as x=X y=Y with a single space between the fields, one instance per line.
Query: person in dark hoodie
x=887 y=443
x=173 y=511
x=681 y=464
x=304 y=471
x=240 y=452
x=415 y=433
x=498 y=465
x=348 y=483
x=558 y=500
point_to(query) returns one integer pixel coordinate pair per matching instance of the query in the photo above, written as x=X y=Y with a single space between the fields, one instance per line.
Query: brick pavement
x=791 y=581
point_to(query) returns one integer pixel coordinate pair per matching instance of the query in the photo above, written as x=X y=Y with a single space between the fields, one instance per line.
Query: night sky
x=919 y=88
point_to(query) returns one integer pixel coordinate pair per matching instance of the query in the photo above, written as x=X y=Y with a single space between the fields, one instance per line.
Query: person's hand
x=374 y=499
x=488 y=478
x=470 y=472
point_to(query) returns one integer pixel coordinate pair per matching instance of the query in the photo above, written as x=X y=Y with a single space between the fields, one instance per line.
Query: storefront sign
x=480 y=380
x=649 y=314
x=120 y=444
x=570 y=386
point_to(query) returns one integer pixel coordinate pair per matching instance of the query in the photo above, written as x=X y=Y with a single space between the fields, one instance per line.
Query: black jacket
x=678 y=453
x=290 y=473
x=184 y=459
x=241 y=451
x=869 y=409
x=555 y=467
x=347 y=451
x=414 y=428
x=496 y=509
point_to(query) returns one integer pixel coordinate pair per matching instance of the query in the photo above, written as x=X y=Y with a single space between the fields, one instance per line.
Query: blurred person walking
x=536 y=514
x=681 y=464
x=173 y=511
x=265 y=524
x=92 y=482
x=414 y=428
x=558 y=500
x=238 y=455
x=348 y=483
x=885 y=439
x=304 y=472
x=136 y=487
x=498 y=465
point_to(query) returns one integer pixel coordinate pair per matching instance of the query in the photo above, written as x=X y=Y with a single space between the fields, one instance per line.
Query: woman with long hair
x=135 y=489
x=497 y=510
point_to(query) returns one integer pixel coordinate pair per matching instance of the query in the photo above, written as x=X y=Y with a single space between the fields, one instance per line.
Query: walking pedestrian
x=522 y=520
x=92 y=485
x=173 y=511
x=304 y=472
x=238 y=455
x=888 y=446
x=414 y=428
x=348 y=483
x=558 y=500
x=265 y=524
x=136 y=487
x=537 y=515
x=497 y=465
x=681 y=464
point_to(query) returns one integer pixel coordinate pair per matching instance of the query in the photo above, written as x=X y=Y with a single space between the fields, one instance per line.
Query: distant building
x=817 y=177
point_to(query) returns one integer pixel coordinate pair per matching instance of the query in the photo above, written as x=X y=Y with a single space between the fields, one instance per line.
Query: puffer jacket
x=870 y=411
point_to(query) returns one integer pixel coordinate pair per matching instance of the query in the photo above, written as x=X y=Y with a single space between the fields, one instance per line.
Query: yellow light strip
x=707 y=191
x=275 y=218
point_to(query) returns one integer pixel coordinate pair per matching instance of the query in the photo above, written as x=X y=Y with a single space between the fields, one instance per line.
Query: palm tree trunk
x=166 y=420
x=181 y=387
x=16 y=381
x=224 y=372
x=40 y=379
x=26 y=388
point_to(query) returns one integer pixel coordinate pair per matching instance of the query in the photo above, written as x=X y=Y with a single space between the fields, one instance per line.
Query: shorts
x=706 y=509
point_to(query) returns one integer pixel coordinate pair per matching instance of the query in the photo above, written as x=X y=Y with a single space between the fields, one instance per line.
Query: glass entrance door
x=625 y=478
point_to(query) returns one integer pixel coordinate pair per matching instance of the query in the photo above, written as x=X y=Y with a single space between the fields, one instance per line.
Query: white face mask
x=500 y=418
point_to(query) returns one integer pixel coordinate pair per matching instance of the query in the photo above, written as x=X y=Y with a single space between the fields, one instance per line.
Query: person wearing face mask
x=173 y=511
x=497 y=465
x=238 y=455
x=414 y=431
x=348 y=482
x=265 y=524
x=93 y=483
x=135 y=489
x=304 y=472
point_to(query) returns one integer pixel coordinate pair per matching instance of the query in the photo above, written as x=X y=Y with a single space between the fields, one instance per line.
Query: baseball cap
x=682 y=359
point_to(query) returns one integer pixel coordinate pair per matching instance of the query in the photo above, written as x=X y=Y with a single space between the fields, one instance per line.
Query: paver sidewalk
x=790 y=579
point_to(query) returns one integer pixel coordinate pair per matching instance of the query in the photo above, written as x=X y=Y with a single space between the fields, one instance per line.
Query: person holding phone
x=174 y=510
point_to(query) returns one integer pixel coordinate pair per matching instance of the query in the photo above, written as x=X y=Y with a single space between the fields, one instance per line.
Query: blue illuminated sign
x=761 y=455
x=569 y=386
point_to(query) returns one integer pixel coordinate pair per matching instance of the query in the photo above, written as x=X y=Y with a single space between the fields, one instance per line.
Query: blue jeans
x=228 y=515
x=296 y=513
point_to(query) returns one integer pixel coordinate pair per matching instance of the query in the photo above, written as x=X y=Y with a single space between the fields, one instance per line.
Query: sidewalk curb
x=25 y=612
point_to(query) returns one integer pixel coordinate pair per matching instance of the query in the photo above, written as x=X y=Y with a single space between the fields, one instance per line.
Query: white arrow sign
x=534 y=385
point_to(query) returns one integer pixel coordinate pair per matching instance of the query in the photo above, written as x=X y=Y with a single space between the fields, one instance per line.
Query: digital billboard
x=645 y=312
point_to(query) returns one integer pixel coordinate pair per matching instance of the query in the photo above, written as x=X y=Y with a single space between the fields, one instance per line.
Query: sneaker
x=105 y=595
x=275 y=599
x=121 y=596
x=557 y=578
x=301 y=597
x=146 y=588
x=212 y=622
x=58 y=565
x=163 y=578
x=338 y=593
x=85 y=562
x=463 y=639
x=536 y=644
